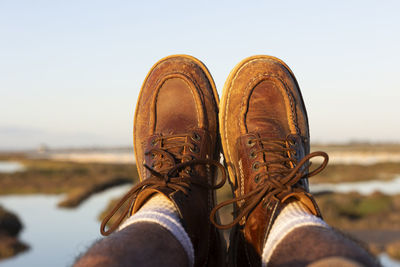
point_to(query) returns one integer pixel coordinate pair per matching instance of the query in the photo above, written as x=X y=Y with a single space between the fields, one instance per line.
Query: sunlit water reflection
x=386 y=261
x=390 y=187
x=10 y=166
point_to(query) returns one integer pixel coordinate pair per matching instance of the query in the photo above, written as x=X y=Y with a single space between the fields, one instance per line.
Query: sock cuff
x=168 y=222
x=292 y=217
x=160 y=210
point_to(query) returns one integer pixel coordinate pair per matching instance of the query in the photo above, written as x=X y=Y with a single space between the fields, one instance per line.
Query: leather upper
x=176 y=97
x=261 y=95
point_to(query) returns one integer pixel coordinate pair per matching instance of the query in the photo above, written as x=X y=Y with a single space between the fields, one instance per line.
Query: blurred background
x=71 y=71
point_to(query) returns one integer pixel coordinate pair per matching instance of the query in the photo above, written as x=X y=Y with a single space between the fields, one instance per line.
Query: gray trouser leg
x=140 y=244
x=310 y=244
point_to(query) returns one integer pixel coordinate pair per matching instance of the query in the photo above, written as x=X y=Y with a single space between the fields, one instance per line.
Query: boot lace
x=281 y=173
x=172 y=168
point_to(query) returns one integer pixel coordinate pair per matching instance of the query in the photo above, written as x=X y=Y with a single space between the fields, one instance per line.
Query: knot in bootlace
x=281 y=173
x=172 y=167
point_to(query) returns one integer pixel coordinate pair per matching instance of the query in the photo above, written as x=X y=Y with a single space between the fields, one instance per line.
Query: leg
x=144 y=244
x=298 y=248
x=298 y=238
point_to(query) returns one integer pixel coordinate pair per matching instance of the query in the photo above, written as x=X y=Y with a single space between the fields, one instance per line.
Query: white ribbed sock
x=293 y=216
x=160 y=210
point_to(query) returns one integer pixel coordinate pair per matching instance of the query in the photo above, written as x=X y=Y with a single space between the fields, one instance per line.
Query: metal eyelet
x=264 y=204
x=253 y=155
x=195 y=137
x=153 y=142
x=153 y=155
x=257 y=178
x=249 y=143
x=195 y=149
x=256 y=165
x=186 y=158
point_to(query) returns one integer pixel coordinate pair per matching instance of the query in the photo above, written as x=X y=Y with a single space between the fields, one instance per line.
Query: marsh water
x=56 y=236
x=390 y=187
x=11 y=166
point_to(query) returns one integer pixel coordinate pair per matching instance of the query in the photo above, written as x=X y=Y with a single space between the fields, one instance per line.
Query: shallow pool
x=11 y=166
x=390 y=187
x=56 y=236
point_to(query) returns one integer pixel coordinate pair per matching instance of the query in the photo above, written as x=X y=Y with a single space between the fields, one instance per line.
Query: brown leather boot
x=265 y=139
x=177 y=150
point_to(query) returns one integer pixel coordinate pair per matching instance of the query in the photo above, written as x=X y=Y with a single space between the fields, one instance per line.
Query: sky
x=71 y=71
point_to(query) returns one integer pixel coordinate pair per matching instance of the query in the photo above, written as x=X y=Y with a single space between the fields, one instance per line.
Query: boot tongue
x=275 y=136
x=174 y=146
x=266 y=128
x=177 y=151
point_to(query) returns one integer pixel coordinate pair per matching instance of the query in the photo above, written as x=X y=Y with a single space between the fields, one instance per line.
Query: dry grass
x=77 y=180
x=337 y=173
x=355 y=211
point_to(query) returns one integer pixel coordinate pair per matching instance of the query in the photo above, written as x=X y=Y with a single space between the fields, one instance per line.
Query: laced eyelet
x=253 y=155
x=249 y=143
x=186 y=158
x=264 y=204
x=256 y=165
x=195 y=149
x=153 y=142
x=195 y=137
x=153 y=155
x=189 y=171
